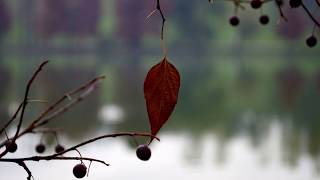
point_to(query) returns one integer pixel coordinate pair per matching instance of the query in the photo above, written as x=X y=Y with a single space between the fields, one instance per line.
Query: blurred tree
x=74 y=18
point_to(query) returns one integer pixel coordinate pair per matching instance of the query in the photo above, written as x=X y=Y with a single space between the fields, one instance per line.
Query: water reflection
x=179 y=156
x=231 y=103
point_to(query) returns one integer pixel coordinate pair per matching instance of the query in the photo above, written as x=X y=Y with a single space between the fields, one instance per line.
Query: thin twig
x=17 y=112
x=281 y=11
x=49 y=158
x=24 y=104
x=40 y=121
x=22 y=164
x=65 y=108
x=54 y=156
x=57 y=156
x=25 y=99
x=131 y=134
x=162 y=16
x=310 y=14
x=12 y=118
x=67 y=96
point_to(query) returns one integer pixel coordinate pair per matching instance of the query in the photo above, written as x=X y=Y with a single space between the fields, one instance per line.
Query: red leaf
x=161 y=89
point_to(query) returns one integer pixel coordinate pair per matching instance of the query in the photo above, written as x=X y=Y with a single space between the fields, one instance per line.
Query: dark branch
x=134 y=134
x=21 y=163
x=65 y=108
x=162 y=16
x=310 y=14
x=280 y=10
x=42 y=120
x=12 y=118
x=67 y=96
x=25 y=99
x=57 y=156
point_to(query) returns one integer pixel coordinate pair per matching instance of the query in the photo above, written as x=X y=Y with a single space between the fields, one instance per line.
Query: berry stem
x=79 y=155
x=89 y=168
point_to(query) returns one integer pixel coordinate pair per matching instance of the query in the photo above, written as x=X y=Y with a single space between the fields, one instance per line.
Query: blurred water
x=177 y=156
x=231 y=127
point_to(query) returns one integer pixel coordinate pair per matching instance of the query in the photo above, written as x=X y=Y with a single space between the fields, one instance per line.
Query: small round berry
x=311 y=41
x=295 y=3
x=143 y=152
x=11 y=146
x=264 y=19
x=59 y=148
x=79 y=170
x=40 y=148
x=256 y=4
x=234 y=21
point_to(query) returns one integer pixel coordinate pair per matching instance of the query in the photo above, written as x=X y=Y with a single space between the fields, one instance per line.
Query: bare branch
x=310 y=14
x=42 y=120
x=21 y=163
x=12 y=118
x=162 y=16
x=49 y=158
x=317 y=2
x=57 y=156
x=131 y=134
x=16 y=113
x=67 y=96
x=25 y=99
x=66 y=107
x=280 y=10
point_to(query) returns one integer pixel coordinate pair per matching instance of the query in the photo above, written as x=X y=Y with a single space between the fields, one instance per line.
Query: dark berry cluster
x=41 y=148
x=235 y=21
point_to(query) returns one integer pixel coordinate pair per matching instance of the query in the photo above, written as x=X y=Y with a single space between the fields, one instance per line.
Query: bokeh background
x=249 y=99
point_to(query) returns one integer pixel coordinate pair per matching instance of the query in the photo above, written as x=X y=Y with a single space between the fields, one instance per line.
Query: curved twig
x=131 y=134
x=25 y=99
x=49 y=158
x=42 y=120
x=57 y=156
x=67 y=96
x=12 y=118
x=22 y=164
x=162 y=17
x=310 y=14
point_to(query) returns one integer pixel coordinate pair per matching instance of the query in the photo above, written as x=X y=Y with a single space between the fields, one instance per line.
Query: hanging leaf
x=161 y=88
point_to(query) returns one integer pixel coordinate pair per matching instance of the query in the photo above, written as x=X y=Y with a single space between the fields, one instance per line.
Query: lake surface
x=234 y=120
